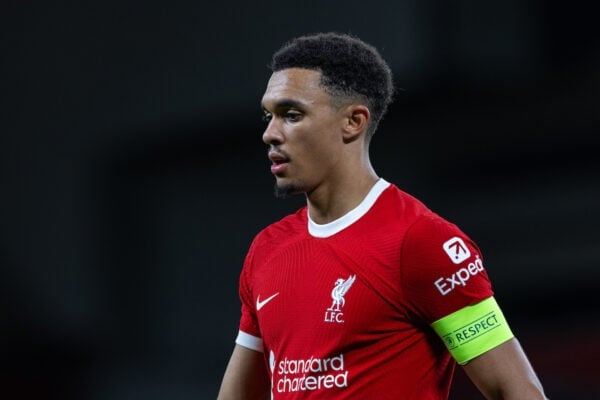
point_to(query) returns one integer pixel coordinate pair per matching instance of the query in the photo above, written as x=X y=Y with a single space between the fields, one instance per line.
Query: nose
x=272 y=134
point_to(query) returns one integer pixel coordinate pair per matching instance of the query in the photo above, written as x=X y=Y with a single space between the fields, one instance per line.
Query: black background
x=133 y=176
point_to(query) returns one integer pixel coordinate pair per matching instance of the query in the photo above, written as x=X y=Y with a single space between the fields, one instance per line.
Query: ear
x=356 y=121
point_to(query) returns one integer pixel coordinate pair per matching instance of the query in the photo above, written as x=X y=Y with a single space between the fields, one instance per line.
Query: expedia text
x=459 y=278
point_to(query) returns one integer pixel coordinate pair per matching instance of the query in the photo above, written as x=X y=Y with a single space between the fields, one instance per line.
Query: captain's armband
x=473 y=330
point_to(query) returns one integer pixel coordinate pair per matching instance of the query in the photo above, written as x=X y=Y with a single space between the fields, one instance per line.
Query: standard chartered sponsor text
x=311 y=374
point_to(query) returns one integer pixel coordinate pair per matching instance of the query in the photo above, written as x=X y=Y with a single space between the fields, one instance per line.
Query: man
x=364 y=293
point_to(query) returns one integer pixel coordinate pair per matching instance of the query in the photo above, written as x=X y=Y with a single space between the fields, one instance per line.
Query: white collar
x=333 y=227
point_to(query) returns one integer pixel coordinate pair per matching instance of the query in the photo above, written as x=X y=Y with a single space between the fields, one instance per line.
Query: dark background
x=133 y=176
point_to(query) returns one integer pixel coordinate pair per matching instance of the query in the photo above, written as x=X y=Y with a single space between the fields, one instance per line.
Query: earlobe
x=356 y=122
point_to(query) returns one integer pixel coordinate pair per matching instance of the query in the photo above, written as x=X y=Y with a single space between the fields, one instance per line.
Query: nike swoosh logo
x=261 y=304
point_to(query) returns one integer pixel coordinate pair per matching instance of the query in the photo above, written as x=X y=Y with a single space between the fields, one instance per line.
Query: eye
x=267 y=117
x=293 y=116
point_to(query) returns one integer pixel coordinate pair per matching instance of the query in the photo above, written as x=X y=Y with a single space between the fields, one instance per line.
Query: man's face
x=303 y=131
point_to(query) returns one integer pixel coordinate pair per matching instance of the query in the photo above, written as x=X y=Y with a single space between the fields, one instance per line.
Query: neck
x=331 y=201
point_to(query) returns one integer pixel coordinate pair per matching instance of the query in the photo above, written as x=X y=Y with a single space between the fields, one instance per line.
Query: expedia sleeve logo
x=460 y=278
x=458 y=252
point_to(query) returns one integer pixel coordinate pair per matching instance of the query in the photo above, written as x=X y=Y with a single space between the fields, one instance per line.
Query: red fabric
x=376 y=341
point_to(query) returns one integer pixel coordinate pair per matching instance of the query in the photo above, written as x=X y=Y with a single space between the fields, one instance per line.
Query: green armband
x=473 y=330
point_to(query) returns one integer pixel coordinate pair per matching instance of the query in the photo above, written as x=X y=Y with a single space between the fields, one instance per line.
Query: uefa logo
x=450 y=342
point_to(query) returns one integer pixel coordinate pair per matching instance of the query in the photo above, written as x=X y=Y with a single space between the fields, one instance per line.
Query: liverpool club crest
x=334 y=313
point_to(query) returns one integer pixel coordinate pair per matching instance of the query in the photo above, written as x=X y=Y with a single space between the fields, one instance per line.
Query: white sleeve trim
x=249 y=341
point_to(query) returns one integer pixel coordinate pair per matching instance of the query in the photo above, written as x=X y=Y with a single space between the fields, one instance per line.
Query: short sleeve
x=442 y=269
x=250 y=335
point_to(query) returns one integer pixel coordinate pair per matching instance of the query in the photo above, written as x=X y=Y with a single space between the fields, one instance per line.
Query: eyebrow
x=285 y=104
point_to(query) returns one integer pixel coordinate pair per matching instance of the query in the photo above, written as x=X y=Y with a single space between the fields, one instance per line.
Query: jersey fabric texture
x=343 y=310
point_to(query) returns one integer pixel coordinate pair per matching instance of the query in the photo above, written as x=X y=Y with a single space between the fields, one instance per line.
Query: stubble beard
x=283 y=191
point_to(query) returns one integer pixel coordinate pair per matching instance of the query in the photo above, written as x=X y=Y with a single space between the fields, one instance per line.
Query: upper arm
x=504 y=372
x=246 y=376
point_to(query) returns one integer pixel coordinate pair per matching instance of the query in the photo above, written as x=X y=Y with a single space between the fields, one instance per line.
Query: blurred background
x=133 y=176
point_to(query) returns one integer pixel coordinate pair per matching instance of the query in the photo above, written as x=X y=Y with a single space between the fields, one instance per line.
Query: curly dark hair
x=350 y=69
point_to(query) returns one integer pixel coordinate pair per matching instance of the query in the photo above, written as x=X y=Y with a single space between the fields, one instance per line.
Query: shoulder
x=397 y=206
x=420 y=224
x=279 y=233
x=433 y=243
x=442 y=268
x=287 y=226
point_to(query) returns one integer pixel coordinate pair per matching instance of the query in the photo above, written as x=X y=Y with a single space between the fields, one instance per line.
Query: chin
x=285 y=189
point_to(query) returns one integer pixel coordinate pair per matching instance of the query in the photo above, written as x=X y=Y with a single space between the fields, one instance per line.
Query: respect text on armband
x=460 y=278
x=472 y=330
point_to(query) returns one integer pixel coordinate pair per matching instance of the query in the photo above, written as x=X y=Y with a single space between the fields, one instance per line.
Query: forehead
x=302 y=85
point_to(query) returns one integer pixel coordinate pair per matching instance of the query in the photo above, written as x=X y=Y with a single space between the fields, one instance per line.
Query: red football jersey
x=342 y=310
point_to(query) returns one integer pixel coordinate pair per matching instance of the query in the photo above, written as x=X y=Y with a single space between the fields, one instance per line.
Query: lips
x=279 y=161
